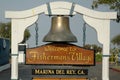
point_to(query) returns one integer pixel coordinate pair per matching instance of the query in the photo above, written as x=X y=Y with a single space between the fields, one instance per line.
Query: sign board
x=60 y=72
x=60 y=53
x=59 y=79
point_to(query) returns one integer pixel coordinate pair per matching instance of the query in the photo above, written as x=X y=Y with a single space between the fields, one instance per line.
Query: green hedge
x=98 y=58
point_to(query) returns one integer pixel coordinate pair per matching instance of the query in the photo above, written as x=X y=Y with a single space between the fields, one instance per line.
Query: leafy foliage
x=26 y=35
x=98 y=57
x=111 y=3
x=5 y=30
x=94 y=47
x=116 y=40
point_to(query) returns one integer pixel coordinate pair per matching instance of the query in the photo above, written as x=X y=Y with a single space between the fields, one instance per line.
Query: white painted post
x=103 y=30
x=14 y=67
x=18 y=28
x=14 y=52
x=105 y=61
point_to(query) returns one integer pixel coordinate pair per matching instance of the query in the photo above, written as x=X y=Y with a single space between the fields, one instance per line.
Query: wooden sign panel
x=60 y=72
x=59 y=79
x=59 y=53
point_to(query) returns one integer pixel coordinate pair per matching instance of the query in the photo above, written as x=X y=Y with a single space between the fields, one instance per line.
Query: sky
x=44 y=22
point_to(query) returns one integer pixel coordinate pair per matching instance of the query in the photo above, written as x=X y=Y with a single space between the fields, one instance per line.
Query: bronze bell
x=60 y=31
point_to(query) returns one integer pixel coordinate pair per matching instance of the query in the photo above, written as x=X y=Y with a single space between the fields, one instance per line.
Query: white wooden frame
x=98 y=20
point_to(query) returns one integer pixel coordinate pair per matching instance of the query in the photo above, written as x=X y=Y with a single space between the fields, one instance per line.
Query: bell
x=60 y=31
